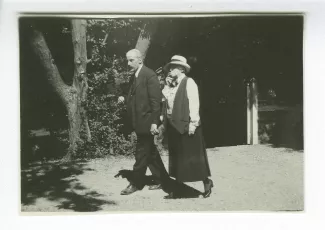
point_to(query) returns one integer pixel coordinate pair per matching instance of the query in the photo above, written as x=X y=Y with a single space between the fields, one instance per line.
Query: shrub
x=105 y=115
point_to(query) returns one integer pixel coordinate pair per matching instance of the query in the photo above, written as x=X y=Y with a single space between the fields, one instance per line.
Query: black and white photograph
x=161 y=112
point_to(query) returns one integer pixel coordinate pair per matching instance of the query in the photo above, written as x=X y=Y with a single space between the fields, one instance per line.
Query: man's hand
x=191 y=129
x=120 y=99
x=154 y=130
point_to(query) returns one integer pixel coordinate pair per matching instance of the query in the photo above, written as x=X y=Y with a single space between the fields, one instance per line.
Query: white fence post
x=254 y=113
x=248 y=105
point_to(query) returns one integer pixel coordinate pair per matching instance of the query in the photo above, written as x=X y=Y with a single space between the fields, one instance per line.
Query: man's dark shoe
x=155 y=187
x=129 y=190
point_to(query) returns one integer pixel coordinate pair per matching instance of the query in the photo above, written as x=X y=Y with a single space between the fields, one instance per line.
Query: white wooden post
x=249 y=116
x=254 y=113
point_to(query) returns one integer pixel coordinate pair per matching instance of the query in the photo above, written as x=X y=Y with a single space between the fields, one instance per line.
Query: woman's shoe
x=207 y=188
x=170 y=196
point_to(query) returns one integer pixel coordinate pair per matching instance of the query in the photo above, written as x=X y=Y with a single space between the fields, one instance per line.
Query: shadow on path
x=180 y=190
x=58 y=182
x=169 y=185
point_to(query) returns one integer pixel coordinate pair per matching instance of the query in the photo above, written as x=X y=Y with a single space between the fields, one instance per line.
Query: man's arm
x=155 y=98
x=124 y=89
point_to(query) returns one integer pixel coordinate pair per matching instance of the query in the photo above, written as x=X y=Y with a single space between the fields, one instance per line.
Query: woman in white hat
x=188 y=161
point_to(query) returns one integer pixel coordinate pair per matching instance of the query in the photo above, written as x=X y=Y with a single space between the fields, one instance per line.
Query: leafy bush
x=105 y=115
x=106 y=71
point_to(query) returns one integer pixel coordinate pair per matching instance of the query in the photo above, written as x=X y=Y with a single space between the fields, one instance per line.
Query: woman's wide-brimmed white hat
x=178 y=60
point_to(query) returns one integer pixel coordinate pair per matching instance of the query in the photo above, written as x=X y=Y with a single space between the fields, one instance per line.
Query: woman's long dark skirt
x=188 y=161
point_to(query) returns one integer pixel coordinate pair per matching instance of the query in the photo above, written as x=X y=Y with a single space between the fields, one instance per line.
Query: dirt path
x=259 y=178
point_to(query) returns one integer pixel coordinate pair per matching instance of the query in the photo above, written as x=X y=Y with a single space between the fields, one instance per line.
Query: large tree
x=72 y=96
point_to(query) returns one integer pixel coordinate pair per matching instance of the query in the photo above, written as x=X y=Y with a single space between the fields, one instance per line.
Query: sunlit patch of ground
x=246 y=178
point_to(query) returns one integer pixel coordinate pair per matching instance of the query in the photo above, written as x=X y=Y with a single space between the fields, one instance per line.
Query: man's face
x=133 y=61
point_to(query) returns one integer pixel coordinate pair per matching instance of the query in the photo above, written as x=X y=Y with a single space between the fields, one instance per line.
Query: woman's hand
x=154 y=130
x=191 y=129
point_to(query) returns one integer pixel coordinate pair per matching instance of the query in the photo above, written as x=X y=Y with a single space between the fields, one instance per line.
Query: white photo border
x=314 y=128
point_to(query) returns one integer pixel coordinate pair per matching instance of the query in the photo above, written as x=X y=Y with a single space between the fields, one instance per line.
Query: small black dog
x=174 y=188
x=129 y=175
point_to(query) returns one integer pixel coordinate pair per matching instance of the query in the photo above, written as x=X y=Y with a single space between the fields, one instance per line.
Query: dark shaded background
x=225 y=52
x=222 y=51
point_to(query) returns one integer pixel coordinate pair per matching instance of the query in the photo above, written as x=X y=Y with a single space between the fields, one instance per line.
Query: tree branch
x=51 y=71
x=105 y=39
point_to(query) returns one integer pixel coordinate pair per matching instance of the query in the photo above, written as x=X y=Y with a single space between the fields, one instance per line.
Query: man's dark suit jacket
x=144 y=100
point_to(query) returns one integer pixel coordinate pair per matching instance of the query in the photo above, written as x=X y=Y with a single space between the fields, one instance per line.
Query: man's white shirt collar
x=138 y=70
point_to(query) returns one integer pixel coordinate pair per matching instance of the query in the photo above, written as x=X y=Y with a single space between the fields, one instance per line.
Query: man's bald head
x=134 y=58
x=135 y=53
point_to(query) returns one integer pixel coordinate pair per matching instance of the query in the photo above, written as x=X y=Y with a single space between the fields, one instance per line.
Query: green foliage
x=111 y=38
x=104 y=113
x=106 y=71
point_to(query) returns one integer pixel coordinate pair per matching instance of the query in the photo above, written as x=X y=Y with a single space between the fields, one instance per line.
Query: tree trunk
x=80 y=71
x=51 y=71
x=74 y=117
x=145 y=37
x=73 y=97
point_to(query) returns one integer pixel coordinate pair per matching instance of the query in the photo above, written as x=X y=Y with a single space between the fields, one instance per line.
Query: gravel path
x=246 y=178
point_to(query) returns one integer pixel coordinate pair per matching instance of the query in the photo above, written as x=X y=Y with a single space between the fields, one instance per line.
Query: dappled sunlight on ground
x=246 y=178
x=58 y=185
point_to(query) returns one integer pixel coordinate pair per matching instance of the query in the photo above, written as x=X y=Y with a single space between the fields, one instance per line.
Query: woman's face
x=175 y=70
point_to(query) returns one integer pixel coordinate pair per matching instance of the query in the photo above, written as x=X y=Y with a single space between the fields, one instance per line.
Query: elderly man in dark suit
x=143 y=111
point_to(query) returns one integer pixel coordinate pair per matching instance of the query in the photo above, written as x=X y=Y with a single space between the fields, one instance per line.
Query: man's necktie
x=134 y=80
